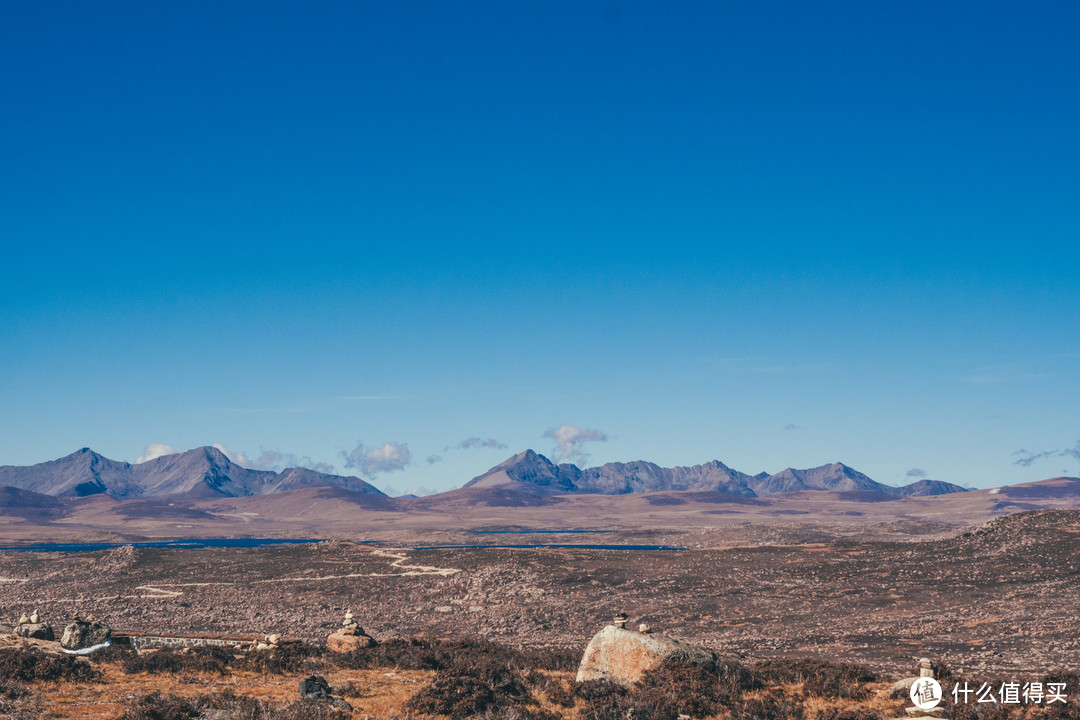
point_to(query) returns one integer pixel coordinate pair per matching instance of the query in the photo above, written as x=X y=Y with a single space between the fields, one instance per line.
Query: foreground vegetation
x=460 y=679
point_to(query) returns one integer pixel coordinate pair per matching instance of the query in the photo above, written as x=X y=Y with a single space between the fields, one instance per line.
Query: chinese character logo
x=926 y=693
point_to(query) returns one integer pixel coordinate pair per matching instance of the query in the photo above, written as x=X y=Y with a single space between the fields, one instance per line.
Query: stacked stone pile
x=350 y=636
x=31 y=626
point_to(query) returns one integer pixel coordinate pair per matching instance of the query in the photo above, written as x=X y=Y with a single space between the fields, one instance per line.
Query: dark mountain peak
x=530 y=468
x=199 y=472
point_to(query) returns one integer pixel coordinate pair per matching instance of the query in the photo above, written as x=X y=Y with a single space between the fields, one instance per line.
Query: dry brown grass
x=381 y=693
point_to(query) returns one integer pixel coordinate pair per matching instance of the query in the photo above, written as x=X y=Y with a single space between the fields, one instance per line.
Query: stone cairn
x=350 y=636
x=926 y=668
x=315 y=687
x=32 y=627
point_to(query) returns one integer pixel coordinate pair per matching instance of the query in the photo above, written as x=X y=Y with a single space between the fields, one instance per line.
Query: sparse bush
x=463 y=690
x=224 y=706
x=289 y=658
x=157 y=706
x=679 y=688
x=819 y=677
x=31 y=665
x=774 y=706
x=425 y=654
x=17 y=702
x=847 y=714
x=198 y=659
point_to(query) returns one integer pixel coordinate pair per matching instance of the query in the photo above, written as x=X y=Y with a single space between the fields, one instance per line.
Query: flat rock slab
x=623 y=656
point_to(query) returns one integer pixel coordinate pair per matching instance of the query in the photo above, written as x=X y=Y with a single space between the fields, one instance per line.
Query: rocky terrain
x=997 y=598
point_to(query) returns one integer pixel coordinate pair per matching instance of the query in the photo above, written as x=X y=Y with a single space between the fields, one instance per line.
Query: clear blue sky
x=776 y=234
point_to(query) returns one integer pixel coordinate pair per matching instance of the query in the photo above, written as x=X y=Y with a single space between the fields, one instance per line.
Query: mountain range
x=200 y=473
x=533 y=472
x=206 y=473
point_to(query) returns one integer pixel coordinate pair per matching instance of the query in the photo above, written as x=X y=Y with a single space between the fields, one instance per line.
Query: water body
x=182 y=544
x=538 y=532
x=533 y=546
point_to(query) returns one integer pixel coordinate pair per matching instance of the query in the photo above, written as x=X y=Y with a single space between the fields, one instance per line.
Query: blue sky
x=776 y=234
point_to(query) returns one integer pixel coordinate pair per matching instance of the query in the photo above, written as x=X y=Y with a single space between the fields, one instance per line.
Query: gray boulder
x=85 y=633
x=623 y=656
x=38 y=631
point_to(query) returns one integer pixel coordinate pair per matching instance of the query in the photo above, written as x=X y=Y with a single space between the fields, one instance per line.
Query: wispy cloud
x=792 y=426
x=432 y=459
x=153 y=451
x=278 y=461
x=916 y=473
x=361 y=398
x=1025 y=458
x=373 y=461
x=475 y=442
x=570 y=441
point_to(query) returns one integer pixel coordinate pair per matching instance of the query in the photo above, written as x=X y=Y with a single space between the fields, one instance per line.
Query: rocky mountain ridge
x=200 y=473
x=531 y=471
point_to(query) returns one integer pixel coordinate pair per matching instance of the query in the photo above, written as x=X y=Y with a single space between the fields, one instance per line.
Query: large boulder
x=342 y=643
x=623 y=656
x=85 y=633
x=38 y=631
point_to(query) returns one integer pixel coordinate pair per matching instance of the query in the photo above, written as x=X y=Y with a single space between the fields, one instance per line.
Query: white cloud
x=372 y=461
x=570 y=439
x=240 y=458
x=154 y=451
x=916 y=473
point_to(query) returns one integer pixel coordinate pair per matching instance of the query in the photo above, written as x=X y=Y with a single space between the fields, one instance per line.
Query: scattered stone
x=34 y=618
x=85 y=633
x=644 y=628
x=620 y=620
x=623 y=656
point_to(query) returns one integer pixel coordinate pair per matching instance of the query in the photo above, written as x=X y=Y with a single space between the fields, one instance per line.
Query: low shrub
x=197 y=659
x=433 y=654
x=774 y=706
x=158 y=706
x=819 y=677
x=466 y=689
x=31 y=665
x=289 y=658
x=224 y=706
x=847 y=714
x=17 y=702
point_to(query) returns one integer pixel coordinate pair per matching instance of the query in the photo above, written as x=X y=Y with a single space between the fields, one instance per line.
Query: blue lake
x=538 y=532
x=182 y=544
x=533 y=546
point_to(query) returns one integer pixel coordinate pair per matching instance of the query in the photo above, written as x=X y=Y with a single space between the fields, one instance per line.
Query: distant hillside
x=534 y=472
x=200 y=473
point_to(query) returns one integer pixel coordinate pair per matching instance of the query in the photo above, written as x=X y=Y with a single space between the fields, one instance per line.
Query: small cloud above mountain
x=373 y=461
x=1025 y=458
x=154 y=451
x=278 y=461
x=475 y=442
x=238 y=457
x=570 y=441
x=916 y=473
